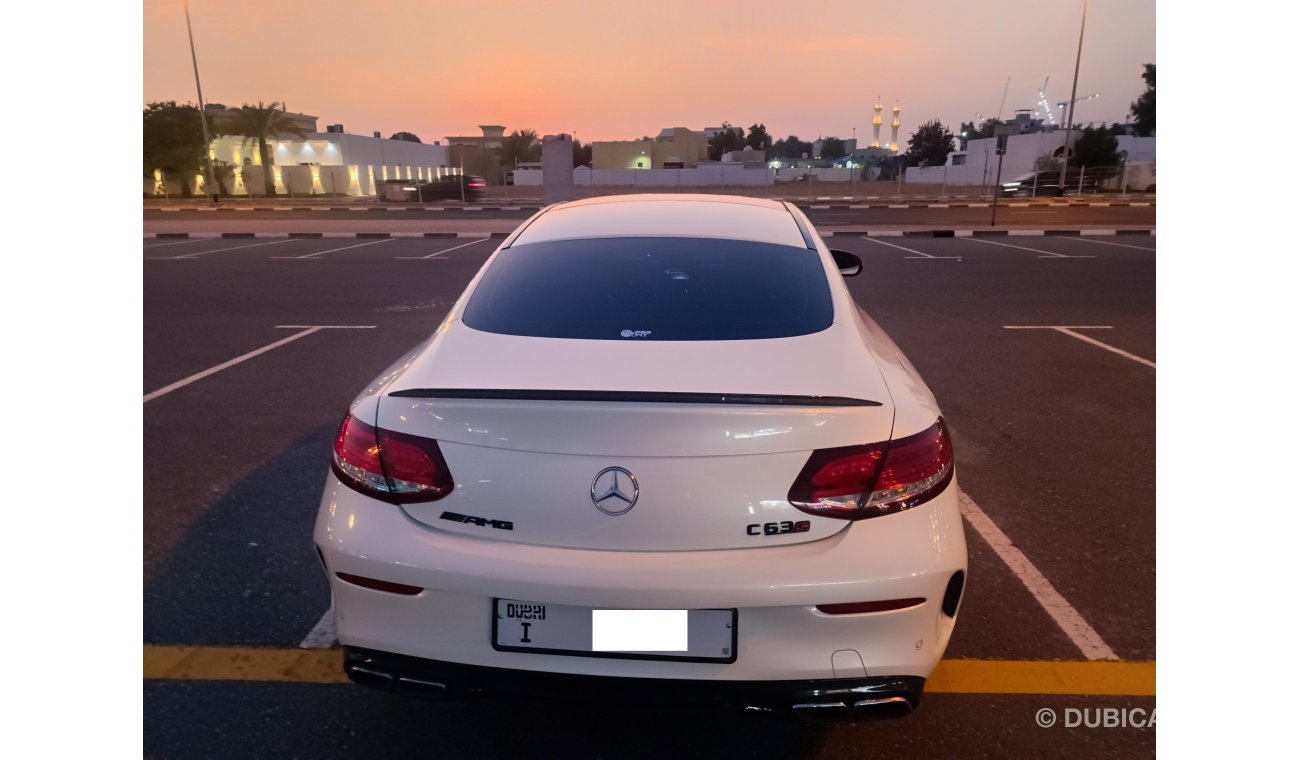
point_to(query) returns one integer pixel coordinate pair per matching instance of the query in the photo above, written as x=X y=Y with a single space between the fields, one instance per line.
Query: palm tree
x=257 y=124
x=520 y=147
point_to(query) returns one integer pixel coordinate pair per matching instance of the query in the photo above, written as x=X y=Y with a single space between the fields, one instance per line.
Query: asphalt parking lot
x=1041 y=351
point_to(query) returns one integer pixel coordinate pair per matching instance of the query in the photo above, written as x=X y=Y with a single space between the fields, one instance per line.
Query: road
x=1040 y=350
x=826 y=215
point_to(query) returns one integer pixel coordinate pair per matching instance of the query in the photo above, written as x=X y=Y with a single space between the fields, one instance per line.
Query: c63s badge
x=481 y=521
x=778 y=528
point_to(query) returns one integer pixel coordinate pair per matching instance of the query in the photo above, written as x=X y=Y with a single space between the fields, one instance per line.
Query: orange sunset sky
x=620 y=69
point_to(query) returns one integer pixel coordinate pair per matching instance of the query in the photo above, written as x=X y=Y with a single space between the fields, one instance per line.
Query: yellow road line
x=243 y=664
x=1092 y=678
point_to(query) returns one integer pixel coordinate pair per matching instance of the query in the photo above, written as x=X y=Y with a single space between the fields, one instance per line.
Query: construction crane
x=1065 y=103
x=1044 y=107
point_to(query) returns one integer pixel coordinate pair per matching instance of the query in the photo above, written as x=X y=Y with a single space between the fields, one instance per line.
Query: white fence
x=703 y=176
x=1138 y=175
x=707 y=176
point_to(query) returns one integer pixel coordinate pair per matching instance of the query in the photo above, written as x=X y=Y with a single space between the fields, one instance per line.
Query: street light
x=1074 y=90
x=203 y=115
x=853 y=164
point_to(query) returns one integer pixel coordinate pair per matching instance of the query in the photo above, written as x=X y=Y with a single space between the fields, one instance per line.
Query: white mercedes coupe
x=654 y=451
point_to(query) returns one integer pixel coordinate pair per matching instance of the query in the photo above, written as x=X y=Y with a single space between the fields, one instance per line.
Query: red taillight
x=378 y=585
x=854 y=608
x=478 y=184
x=392 y=466
x=857 y=482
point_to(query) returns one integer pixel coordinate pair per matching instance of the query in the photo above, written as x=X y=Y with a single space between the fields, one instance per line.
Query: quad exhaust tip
x=864 y=709
x=404 y=685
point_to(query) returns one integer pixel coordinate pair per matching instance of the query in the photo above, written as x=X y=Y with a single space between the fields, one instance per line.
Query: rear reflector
x=952 y=594
x=874 y=479
x=378 y=585
x=853 y=608
x=392 y=466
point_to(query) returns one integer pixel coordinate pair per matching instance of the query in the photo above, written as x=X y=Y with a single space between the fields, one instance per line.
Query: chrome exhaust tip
x=823 y=712
x=884 y=707
x=375 y=679
x=418 y=687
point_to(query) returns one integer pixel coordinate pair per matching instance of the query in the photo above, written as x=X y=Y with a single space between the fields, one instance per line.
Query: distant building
x=978 y=163
x=746 y=155
x=220 y=116
x=674 y=148
x=324 y=163
x=492 y=138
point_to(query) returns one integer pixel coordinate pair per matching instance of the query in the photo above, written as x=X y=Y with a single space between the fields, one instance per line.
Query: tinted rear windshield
x=657 y=288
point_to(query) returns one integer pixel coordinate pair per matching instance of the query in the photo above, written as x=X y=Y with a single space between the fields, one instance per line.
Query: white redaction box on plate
x=639 y=631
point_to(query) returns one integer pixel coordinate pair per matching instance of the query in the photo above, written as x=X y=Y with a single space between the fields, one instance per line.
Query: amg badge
x=484 y=521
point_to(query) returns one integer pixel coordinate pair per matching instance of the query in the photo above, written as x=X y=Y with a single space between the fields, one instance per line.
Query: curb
x=364 y=209
x=947 y=233
x=802 y=204
x=344 y=235
x=939 y=233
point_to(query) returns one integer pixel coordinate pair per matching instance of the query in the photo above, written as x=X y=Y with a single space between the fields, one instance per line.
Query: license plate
x=519 y=626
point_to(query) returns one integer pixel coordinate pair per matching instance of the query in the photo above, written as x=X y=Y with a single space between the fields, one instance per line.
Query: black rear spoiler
x=640 y=397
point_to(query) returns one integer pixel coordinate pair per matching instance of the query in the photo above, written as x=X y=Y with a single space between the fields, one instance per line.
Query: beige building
x=491 y=139
x=220 y=117
x=674 y=148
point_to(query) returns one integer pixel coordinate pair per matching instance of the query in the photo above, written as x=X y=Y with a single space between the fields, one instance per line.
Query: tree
x=1095 y=147
x=520 y=147
x=758 y=138
x=833 y=148
x=930 y=145
x=261 y=123
x=791 y=147
x=971 y=131
x=173 y=140
x=1144 y=108
x=729 y=139
x=405 y=136
x=581 y=154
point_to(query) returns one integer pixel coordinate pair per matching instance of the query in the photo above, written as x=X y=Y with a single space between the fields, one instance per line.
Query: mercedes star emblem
x=614 y=491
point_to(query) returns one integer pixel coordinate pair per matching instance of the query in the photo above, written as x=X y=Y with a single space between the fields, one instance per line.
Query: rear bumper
x=781 y=636
x=826 y=699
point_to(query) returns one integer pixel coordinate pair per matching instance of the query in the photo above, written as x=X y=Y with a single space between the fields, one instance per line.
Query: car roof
x=677 y=215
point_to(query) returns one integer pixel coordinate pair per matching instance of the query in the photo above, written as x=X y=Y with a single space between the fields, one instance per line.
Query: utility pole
x=997 y=184
x=1074 y=90
x=203 y=114
x=853 y=163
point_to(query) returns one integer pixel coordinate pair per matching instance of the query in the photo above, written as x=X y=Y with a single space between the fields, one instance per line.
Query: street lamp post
x=203 y=115
x=1074 y=89
x=853 y=164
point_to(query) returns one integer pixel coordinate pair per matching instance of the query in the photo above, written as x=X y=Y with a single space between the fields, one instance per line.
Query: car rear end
x=744 y=462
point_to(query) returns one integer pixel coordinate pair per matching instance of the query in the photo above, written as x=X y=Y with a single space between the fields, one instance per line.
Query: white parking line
x=322 y=635
x=1046 y=254
x=1118 y=245
x=196 y=254
x=1070 y=330
x=307 y=330
x=1067 y=617
x=445 y=250
x=175 y=242
x=920 y=254
x=333 y=250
